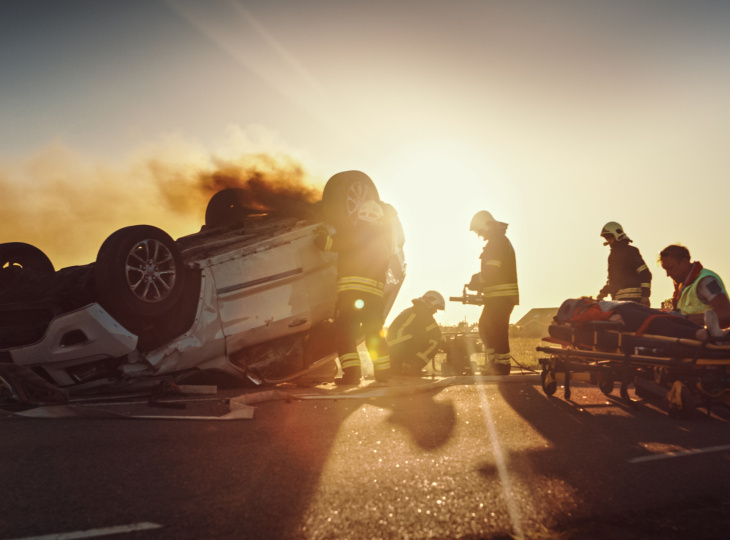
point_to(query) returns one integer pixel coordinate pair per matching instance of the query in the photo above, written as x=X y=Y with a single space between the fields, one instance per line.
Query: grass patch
x=522 y=350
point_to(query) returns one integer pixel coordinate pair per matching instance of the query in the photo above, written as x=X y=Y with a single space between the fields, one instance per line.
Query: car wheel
x=25 y=256
x=139 y=273
x=17 y=256
x=226 y=207
x=342 y=196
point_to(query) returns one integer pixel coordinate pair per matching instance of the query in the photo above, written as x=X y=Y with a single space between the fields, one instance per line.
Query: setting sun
x=437 y=186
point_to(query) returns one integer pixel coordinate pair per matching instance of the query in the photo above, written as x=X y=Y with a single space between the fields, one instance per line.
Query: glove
x=322 y=238
x=645 y=301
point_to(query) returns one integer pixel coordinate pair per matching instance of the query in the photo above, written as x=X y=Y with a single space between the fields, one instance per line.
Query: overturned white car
x=249 y=297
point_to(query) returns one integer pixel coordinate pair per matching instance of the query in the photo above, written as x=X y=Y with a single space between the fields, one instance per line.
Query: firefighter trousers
x=357 y=314
x=494 y=328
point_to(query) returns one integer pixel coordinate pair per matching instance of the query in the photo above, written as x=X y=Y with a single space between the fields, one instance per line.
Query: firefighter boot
x=350 y=377
x=498 y=364
x=382 y=369
x=382 y=375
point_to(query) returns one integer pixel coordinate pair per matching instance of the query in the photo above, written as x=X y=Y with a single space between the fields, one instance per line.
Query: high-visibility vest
x=689 y=303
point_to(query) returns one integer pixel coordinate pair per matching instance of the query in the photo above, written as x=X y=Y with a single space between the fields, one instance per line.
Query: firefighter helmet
x=616 y=230
x=481 y=221
x=433 y=299
x=370 y=212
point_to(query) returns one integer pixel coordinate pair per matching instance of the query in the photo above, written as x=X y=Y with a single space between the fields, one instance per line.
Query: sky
x=554 y=116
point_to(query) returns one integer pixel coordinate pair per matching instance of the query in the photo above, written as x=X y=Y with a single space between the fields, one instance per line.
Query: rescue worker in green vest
x=629 y=278
x=362 y=265
x=497 y=283
x=699 y=293
x=414 y=336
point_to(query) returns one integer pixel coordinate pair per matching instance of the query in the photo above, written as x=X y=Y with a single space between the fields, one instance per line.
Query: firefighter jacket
x=498 y=276
x=362 y=256
x=414 y=333
x=628 y=276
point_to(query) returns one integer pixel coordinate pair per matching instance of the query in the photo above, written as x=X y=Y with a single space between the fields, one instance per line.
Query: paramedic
x=696 y=289
x=628 y=276
x=414 y=336
x=362 y=266
x=497 y=283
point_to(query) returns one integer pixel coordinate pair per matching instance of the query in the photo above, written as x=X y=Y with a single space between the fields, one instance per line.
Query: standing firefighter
x=628 y=276
x=497 y=283
x=414 y=336
x=362 y=265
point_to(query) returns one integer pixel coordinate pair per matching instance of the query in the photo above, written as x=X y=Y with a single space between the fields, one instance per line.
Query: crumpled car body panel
x=264 y=314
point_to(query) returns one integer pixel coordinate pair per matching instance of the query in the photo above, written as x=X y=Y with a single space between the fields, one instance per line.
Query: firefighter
x=699 y=293
x=362 y=265
x=628 y=276
x=497 y=283
x=414 y=336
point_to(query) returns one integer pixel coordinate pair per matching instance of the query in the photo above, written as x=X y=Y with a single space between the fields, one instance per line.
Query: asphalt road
x=469 y=460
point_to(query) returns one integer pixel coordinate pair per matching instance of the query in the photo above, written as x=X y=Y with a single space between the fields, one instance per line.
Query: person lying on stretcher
x=640 y=319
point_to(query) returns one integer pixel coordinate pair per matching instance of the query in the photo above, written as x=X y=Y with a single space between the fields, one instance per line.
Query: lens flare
x=359 y=303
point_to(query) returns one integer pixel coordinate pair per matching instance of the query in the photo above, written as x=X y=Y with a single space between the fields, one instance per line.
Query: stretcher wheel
x=641 y=392
x=680 y=400
x=549 y=384
x=605 y=383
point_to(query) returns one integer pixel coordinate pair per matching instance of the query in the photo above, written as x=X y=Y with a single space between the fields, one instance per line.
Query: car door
x=262 y=295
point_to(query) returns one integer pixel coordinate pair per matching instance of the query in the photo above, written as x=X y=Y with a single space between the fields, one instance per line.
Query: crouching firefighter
x=497 y=283
x=362 y=265
x=414 y=336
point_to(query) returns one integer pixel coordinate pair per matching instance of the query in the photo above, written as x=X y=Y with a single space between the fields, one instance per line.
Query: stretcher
x=687 y=373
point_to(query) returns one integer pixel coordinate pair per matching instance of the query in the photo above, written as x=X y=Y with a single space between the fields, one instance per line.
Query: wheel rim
x=150 y=271
x=356 y=195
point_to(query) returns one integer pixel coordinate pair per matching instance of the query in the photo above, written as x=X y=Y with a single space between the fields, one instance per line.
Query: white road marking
x=682 y=453
x=512 y=510
x=90 y=533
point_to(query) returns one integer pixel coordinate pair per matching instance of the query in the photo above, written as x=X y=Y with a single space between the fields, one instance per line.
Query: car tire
x=342 y=196
x=17 y=256
x=139 y=274
x=226 y=207
x=25 y=256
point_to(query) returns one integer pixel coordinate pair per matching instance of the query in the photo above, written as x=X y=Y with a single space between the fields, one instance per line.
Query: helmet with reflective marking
x=614 y=229
x=433 y=299
x=370 y=212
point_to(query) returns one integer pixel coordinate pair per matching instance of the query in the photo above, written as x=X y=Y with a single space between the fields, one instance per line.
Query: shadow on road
x=590 y=455
x=429 y=423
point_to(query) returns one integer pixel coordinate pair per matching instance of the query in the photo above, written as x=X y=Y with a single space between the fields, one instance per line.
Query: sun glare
x=436 y=189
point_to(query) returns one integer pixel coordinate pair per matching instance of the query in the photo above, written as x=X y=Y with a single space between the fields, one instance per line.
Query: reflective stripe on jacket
x=362 y=284
x=499 y=269
x=414 y=332
x=628 y=276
